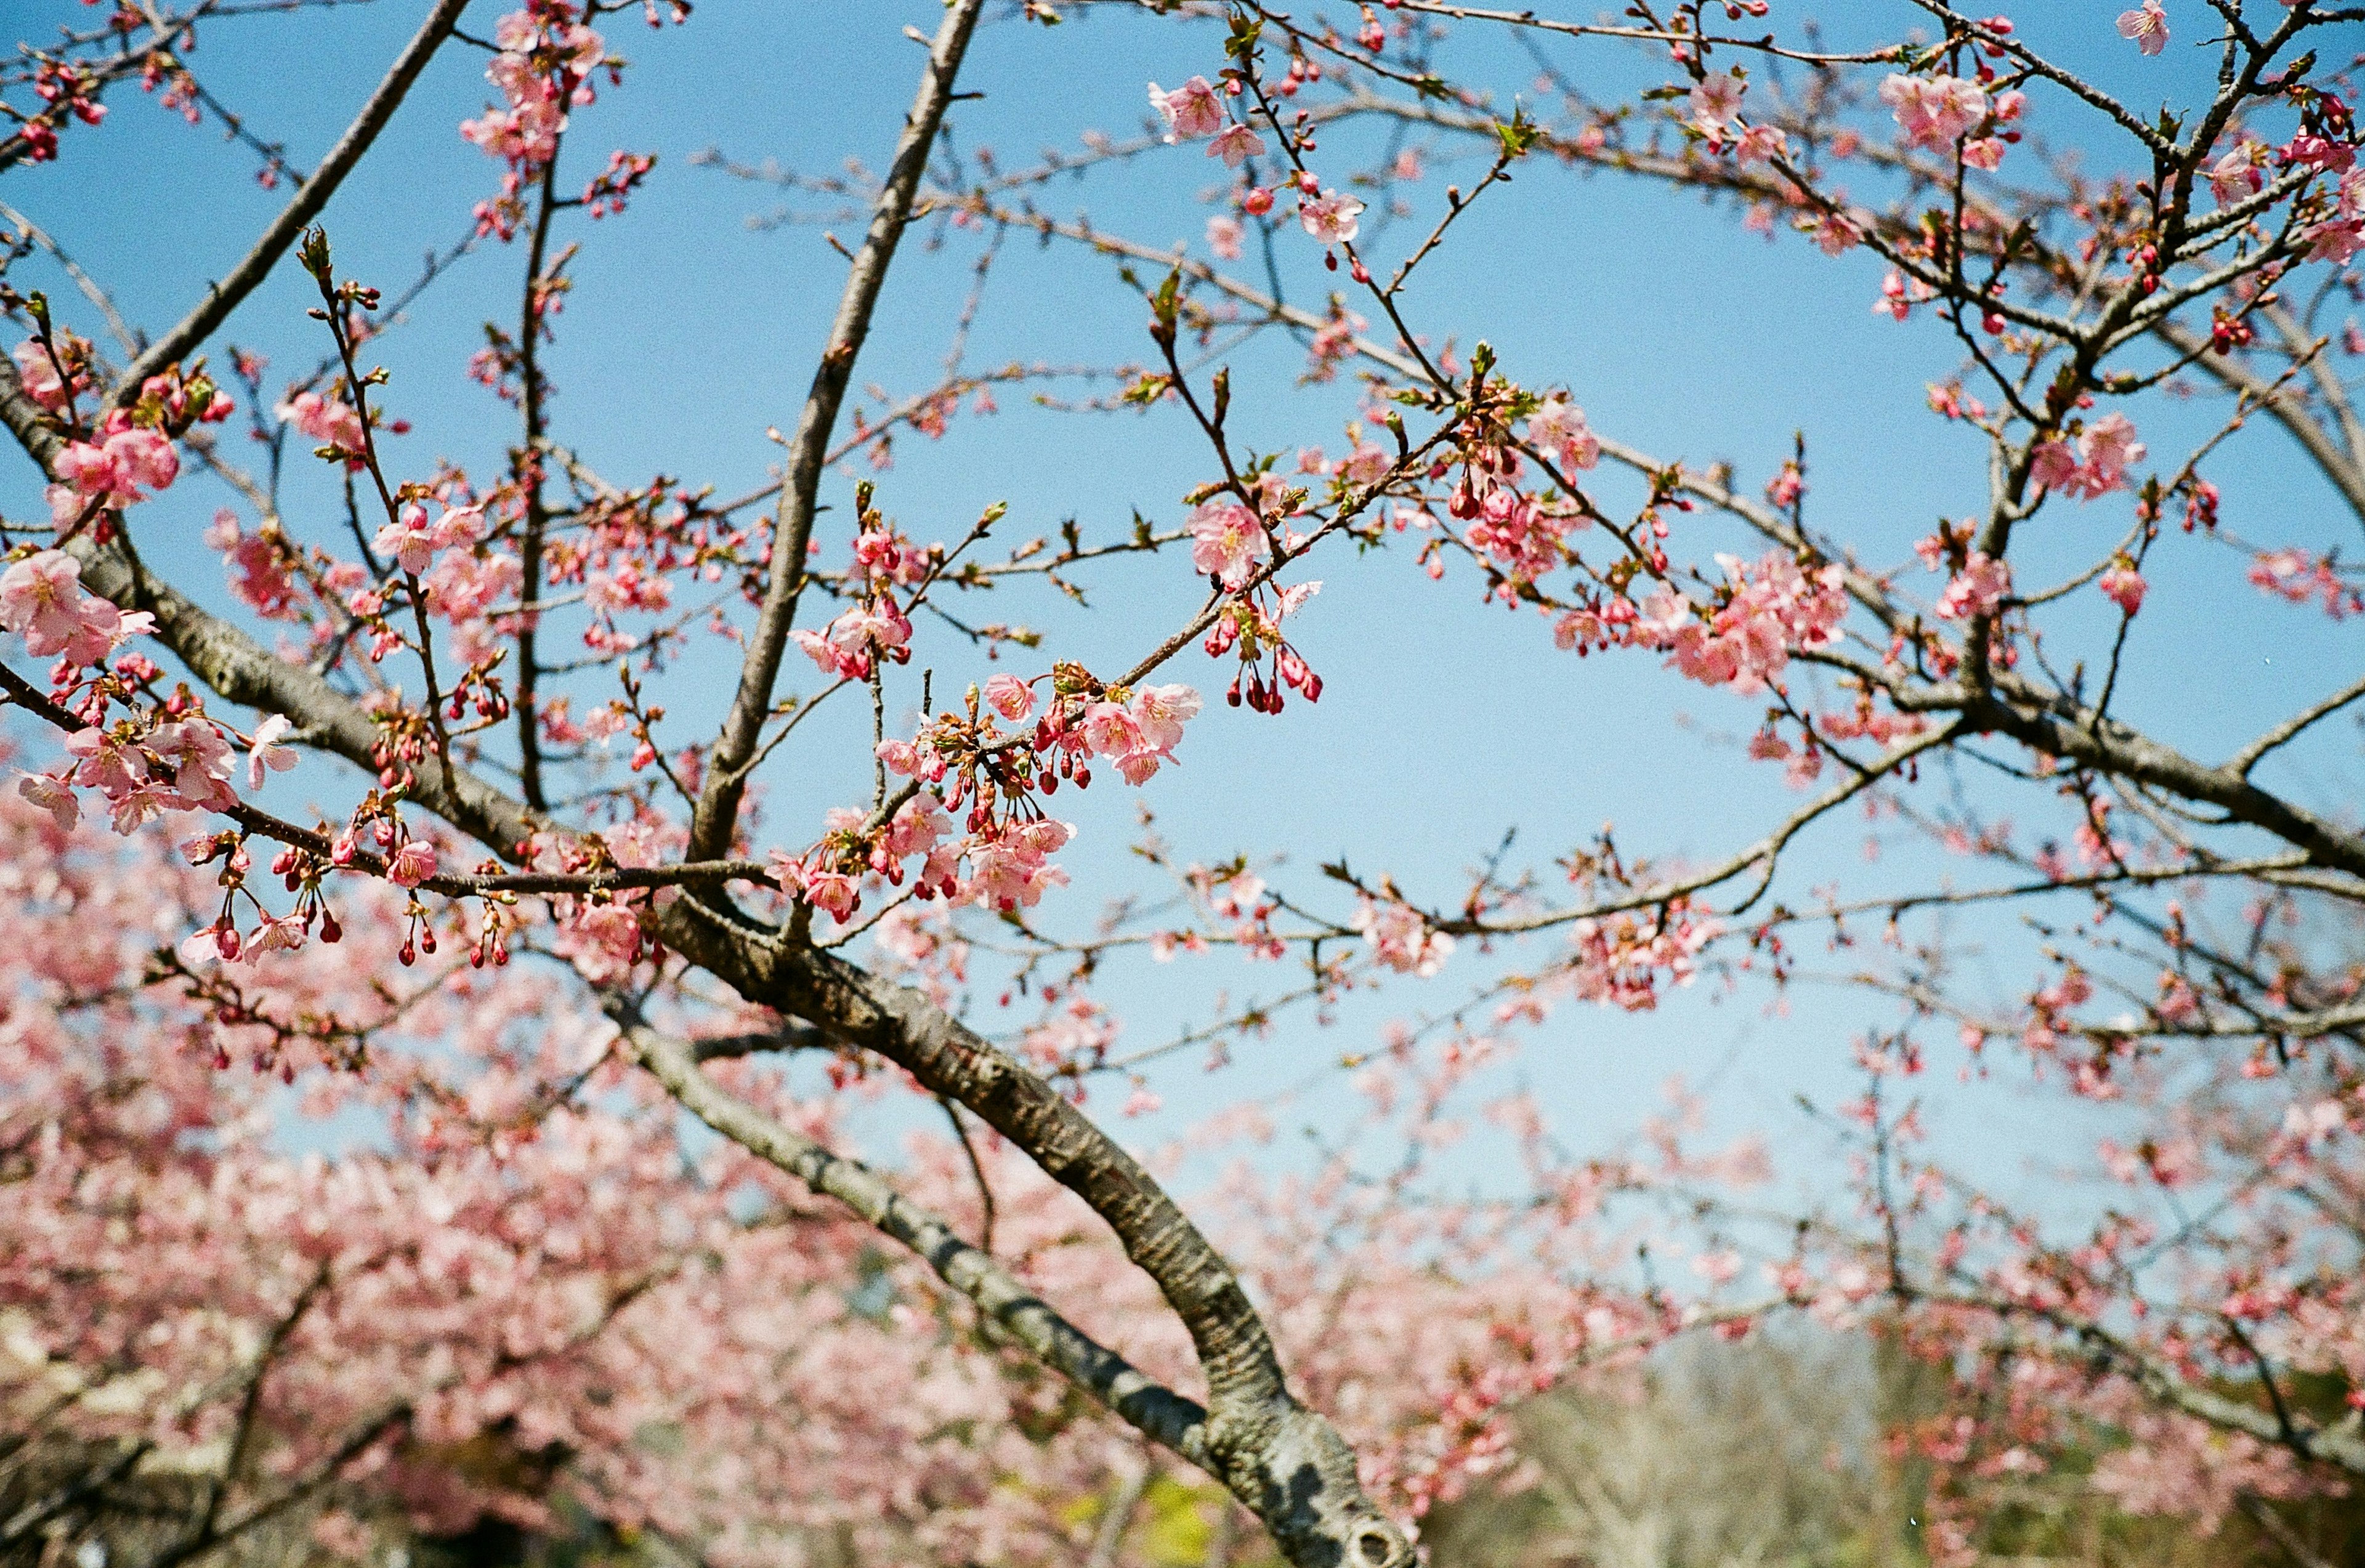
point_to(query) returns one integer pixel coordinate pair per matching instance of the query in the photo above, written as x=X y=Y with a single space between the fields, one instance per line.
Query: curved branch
x=1156 y=1412
x=1285 y=1461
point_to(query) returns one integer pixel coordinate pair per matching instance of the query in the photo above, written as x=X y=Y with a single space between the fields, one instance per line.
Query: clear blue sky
x=1443 y=724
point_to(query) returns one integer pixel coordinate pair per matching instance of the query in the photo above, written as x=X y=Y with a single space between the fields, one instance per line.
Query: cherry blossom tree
x=548 y=923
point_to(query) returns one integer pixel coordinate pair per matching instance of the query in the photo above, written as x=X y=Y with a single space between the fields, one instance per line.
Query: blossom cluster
x=1766 y=611
x=2093 y=462
x=998 y=857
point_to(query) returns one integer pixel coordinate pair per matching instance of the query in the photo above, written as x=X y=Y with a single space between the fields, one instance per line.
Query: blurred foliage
x=1762 y=1453
x=1767 y=1454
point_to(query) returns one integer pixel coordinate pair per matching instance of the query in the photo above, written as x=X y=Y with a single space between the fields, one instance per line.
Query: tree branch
x=223 y=297
x=718 y=805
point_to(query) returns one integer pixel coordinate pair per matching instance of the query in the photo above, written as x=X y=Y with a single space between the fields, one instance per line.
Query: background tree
x=610 y=728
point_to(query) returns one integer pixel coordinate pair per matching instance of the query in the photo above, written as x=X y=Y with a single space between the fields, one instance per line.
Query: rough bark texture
x=1286 y=1463
x=1160 y=1415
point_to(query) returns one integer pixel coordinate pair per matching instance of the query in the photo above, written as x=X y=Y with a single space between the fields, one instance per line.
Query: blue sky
x=689 y=331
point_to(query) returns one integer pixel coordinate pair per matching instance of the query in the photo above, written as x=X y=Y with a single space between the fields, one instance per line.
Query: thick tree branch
x=1286 y=1463
x=1157 y=1413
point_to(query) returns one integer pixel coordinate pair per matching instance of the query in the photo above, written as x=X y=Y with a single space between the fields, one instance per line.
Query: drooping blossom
x=53 y=796
x=1010 y=867
x=266 y=753
x=1226 y=541
x=412 y=864
x=1152 y=729
x=1010 y=697
x=2125 y=586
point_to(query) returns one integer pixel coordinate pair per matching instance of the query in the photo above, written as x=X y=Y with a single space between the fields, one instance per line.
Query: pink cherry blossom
x=2294 y=574
x=917 y=827
x=834 y=894
x=265 y=754
x=1775 y=609
x=1236 y=144
x=1558 y=426
x=2236 y=174
x=109 y=763
x=1933 y=111
x=1834 y=232
x=409 y=540
x=91 y=470
x=2126 y=587
x=326 y=421
x=1225 y=236
x=2147 y=24
x=1192 y=110
x=1011 y=868
x=144 y=457
x=1159 y=712
x=2336 y=239
x=1715 y=103
x=1759 y=145
x=2110 y=448
x=52 y=796
x=1400 y=940
x=412 y=864
x=1010 y=697
x=1111 y=730
x=1226 y=540
x=38 y=374
x=849 y=645
x=1329 y=216
x=202 y=763
x=2095 y=463
x=1978 y=589
x=42 y=596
